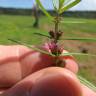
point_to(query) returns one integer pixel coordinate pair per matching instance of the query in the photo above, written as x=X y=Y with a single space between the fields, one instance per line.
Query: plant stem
x=56 y=28
x=56 y=31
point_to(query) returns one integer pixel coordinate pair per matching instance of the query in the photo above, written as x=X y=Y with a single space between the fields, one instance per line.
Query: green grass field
x=20 y=28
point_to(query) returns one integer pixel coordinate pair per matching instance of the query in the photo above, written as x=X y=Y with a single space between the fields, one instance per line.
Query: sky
x=83 y=5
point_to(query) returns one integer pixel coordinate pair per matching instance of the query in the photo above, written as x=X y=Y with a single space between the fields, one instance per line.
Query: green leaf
x=29 y=46
x=44 y=10
x=87 y=83
x=55 y=8
x=39 y=34
x=64 y=8
x=80 y=39
x=61 y=2
x=84 y=54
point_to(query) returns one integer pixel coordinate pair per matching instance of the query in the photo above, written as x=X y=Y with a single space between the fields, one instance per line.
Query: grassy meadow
x=20 y=28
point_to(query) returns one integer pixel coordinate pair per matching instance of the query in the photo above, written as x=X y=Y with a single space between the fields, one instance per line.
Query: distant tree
x=36 y=16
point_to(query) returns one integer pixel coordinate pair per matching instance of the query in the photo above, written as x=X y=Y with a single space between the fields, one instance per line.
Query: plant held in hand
x=53 y=47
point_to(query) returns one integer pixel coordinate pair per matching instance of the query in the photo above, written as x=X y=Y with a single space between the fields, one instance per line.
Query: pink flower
x=53 y=48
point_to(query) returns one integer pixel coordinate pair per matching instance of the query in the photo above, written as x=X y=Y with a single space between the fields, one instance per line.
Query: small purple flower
x=53 y=48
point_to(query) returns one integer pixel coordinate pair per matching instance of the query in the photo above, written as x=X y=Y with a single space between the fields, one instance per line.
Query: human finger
x=53 y=81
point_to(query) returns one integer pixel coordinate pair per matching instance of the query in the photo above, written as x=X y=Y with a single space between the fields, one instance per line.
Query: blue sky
x=83 y=5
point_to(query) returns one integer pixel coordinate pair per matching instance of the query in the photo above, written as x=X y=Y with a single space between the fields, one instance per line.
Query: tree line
x=14 y=11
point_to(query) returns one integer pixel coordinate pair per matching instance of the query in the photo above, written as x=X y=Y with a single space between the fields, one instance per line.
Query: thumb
x=53 y=81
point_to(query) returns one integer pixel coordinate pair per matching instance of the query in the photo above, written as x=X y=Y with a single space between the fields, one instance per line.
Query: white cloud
x=86 y=5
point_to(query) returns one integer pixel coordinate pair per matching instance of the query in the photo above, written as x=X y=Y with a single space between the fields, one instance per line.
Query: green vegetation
x=20 y=28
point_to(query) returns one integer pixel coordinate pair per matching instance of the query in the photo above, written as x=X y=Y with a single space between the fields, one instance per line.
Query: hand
x=20 y=76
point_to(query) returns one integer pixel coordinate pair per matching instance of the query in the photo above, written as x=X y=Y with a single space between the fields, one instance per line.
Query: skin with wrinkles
x=61 y=82
x=20 y=75
x=22 y=61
